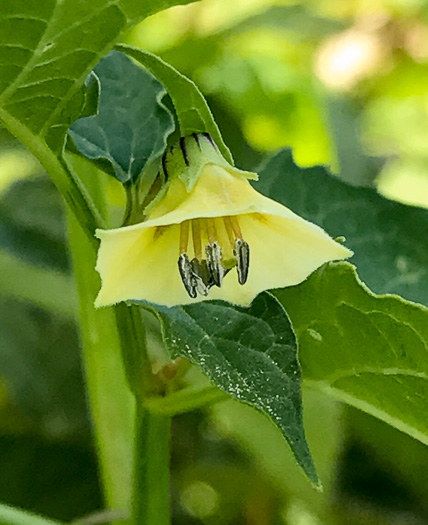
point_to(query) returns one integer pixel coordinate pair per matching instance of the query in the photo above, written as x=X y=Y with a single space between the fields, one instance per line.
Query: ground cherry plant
x=255 y=280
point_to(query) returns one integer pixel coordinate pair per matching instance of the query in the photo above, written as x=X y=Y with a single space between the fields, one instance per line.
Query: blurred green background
x=343 y=83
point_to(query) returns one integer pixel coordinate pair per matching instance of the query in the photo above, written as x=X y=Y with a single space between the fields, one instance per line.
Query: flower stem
x=134 y=349
x=150 y=501
x=185 y=400
x=14 y=516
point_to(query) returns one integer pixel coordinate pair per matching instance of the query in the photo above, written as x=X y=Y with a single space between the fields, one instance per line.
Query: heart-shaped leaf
x=132 y=125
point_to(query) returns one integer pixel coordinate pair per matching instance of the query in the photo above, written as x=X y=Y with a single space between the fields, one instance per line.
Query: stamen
x=214 y=256
x=242 y=254
x=197 y=240
x=229 y=230
x=202 y=276
x=235 y=227
x=187 y=276
x=184 y=236
x=211 y=230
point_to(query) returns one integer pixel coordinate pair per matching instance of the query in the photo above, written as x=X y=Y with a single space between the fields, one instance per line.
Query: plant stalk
x=111 y=402
x=151 y=502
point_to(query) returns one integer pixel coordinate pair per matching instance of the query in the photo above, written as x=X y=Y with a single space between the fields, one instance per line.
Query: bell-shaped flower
x=209 y=235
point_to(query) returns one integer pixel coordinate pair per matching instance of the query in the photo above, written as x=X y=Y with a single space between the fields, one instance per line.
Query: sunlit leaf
x=369 y=351
x=250 y=353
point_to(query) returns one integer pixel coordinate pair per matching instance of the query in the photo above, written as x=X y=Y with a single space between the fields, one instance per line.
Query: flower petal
x=217 y=193
x=140 y=265
x=283 y=252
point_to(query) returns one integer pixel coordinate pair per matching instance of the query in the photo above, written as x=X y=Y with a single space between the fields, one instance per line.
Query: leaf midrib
x=340 y=375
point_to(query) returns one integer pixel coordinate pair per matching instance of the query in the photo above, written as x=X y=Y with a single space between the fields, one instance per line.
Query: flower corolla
x=209 y=235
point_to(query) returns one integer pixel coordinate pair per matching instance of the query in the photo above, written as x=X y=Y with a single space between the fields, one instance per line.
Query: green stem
x=185 y=400
x=134 y=349
x=13 y=516
x=150 y=502
x=111 y=401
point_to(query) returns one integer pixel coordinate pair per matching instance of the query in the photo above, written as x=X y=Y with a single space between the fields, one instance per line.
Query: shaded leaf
x=42 y=373
x=32 y=223
x=132 y=124
x=193 y=113
x=53 y=478
x=250 y=353
x=388 y=238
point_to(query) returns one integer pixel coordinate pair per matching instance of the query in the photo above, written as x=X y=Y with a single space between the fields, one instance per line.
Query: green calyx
x=186 y=160
x=191 y=154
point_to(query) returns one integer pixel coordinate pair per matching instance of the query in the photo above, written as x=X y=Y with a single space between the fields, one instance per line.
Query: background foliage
x=338 y=82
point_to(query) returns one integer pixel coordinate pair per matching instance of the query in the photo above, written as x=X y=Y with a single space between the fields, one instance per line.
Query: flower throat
x=217 y=243
x=207 y=268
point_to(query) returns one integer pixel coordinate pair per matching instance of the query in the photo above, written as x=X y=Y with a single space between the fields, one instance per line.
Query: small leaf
x=193 y=113
x=250 y=353
x=132 y=125
x=366 y=350
x=388 y=238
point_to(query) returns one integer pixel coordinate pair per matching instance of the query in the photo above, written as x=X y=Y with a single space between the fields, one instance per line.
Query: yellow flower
x=209 y=235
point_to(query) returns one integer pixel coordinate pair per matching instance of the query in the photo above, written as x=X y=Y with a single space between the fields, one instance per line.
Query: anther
x=215 y=266
x=242 y=254
x=187 y=276
x=202 y=276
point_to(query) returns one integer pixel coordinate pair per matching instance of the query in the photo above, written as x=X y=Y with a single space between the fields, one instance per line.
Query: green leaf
x=297 y=19
x=132 y=124
x=193 y=113
x=43 y=372
x=367 y=350
x=324 y=431
x=47 y=49
x=49 y=289
x=250 y=353
x=32 y=224
x=388 y=238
